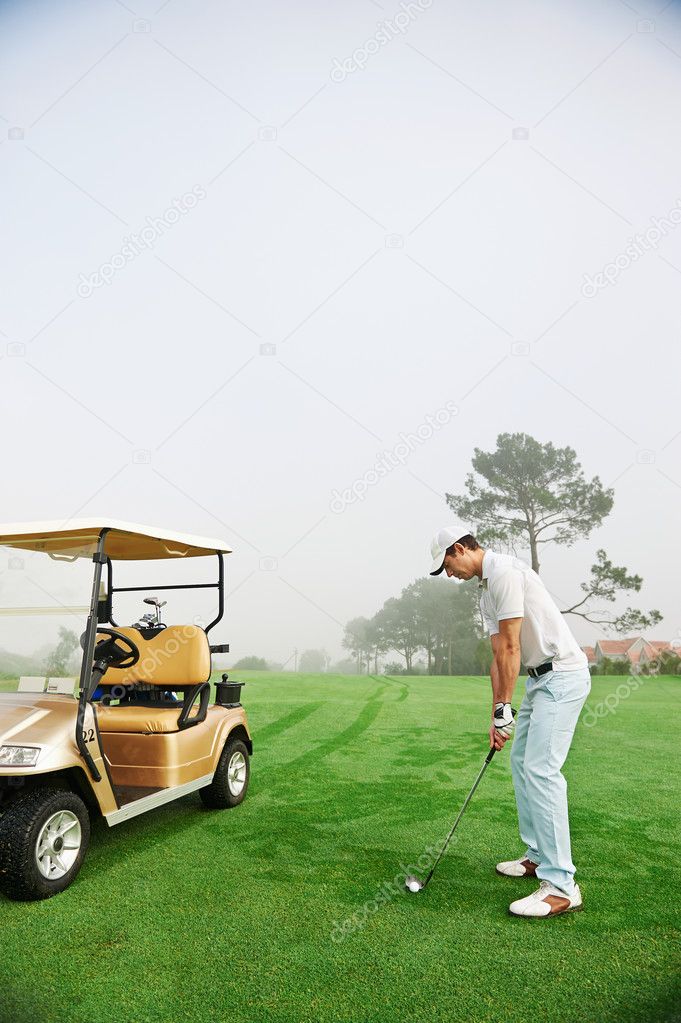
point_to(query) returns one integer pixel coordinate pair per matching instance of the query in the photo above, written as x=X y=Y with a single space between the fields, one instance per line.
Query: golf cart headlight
x=19 y=756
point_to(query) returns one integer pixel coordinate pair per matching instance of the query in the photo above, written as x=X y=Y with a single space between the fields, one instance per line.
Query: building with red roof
x=637 y=650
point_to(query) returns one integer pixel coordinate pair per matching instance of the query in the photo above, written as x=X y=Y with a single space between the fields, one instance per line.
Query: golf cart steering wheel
x=108 y=649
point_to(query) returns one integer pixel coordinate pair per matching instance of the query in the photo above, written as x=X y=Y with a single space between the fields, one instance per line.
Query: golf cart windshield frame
x=100 y=559
x=219 y=586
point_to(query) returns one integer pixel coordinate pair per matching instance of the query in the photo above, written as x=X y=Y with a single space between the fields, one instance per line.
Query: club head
x=413 y=885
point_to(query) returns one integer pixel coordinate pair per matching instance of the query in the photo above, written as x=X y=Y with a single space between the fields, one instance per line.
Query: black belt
x=541 y=669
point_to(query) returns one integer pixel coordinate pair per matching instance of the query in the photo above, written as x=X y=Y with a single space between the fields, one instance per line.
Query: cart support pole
x=99 y=559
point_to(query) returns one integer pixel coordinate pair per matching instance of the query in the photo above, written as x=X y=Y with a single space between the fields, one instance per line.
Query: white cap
x=443 y=539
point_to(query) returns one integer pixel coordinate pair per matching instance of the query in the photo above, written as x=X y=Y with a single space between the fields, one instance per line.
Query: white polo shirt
x=511 y=589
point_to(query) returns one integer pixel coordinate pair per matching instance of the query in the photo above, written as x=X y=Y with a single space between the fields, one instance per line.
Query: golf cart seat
x=176 y=656
x=147 y=720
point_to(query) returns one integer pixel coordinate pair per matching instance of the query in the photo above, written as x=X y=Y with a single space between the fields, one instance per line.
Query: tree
x=430 y=603
x=448 y=624
x=251 y=663
x=346 y=666
x=358 y=640
x=436 y=616
x=378 y=641
x=612 y=666
x=530 y=493
x=314 y=662
x=60 y=660
x=606 y=581
x=400 y=626
x=668 y=662
x=483 y=656
x=464 y=632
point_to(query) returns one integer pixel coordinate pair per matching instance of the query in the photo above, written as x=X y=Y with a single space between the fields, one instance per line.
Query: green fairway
x=197 y=915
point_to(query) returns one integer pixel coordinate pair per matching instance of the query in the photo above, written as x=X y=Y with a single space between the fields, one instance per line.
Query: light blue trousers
x=544 y=728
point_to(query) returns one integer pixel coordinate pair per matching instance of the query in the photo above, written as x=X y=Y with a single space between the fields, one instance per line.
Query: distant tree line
x=64 y=659
x=312 y=662
x=435 y=619
x=252 y=663
x=668 y=662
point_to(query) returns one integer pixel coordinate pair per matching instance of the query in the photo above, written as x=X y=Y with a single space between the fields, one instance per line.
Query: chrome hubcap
x=236 y=773
x=58 y=845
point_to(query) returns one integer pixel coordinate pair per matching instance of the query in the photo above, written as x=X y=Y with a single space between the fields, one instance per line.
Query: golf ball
x=413 y=885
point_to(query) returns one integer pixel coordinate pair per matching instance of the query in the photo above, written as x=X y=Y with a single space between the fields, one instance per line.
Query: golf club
x=412 y=883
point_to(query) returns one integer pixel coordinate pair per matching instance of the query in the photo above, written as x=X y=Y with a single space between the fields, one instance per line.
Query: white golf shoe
x=517 y=868
x=547 y=901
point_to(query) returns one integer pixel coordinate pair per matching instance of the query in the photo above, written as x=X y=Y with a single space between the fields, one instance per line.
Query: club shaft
x=460 y=815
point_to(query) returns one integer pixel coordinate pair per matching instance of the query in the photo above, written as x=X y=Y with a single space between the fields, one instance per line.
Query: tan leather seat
x=142 y=720
x=176 y=656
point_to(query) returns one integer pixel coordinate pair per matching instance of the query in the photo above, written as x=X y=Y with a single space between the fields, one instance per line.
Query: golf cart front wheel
x=230 y=781
x=44 y=836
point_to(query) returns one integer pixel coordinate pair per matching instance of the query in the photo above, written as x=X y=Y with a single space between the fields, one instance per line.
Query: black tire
x=221 y=794
x=20 y=827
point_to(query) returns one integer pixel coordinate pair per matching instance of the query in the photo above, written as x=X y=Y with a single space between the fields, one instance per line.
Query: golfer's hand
x=495 y=742
x=502 y=725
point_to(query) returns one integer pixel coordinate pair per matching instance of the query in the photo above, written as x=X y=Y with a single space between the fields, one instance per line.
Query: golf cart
x=137 y=731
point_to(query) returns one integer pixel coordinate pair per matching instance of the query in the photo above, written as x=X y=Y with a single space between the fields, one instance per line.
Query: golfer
x=525 y=626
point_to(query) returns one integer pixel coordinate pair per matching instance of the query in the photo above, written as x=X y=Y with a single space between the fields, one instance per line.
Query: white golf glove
x=503 y=719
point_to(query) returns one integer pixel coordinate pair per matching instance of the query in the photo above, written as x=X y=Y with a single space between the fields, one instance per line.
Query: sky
x=252 y=250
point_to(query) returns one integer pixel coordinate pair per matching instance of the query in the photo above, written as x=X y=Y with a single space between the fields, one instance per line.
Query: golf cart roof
x=125 y=541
